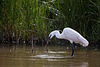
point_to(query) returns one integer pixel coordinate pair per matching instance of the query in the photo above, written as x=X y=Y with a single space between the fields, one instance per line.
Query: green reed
x=37 y=18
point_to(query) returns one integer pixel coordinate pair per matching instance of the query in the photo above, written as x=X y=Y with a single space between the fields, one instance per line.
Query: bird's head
x=53 y=33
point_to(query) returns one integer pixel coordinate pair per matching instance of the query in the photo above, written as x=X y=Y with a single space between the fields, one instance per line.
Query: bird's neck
x=58 y=35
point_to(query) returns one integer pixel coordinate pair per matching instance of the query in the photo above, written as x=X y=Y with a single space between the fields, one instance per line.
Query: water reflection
x=21 y=56
x=82 y=64
x=53 y=59
x=85 y=64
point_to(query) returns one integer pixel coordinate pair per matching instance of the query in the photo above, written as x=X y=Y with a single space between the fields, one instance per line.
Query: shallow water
x=57 y=56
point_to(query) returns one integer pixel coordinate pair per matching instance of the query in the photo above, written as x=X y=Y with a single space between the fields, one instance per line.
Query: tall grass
x=37 y=18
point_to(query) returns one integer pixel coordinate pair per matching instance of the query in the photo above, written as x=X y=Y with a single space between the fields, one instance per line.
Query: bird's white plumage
x=71 y=35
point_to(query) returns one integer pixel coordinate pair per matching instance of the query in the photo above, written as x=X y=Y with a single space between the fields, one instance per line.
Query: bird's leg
x=72 y=49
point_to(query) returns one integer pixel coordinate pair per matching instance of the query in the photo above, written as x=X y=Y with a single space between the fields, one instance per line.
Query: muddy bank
x=7 y=39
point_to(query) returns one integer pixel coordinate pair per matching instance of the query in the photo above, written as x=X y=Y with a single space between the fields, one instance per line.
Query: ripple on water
x=56 y=52
x=47 y=56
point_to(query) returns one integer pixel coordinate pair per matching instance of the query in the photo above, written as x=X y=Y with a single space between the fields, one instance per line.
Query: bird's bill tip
x=47 y=39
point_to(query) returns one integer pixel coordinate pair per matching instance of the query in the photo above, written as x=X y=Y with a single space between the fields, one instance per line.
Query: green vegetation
x=22 y=19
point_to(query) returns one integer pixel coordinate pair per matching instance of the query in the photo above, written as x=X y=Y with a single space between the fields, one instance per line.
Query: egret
x=71 y=35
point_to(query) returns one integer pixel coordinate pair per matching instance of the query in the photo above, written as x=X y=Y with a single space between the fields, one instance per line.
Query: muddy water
x=57 y=56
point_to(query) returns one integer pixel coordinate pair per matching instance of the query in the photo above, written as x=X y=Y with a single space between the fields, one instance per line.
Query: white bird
x=71 y=35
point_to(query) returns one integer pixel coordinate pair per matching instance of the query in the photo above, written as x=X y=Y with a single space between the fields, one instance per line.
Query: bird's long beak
x=48 y=38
